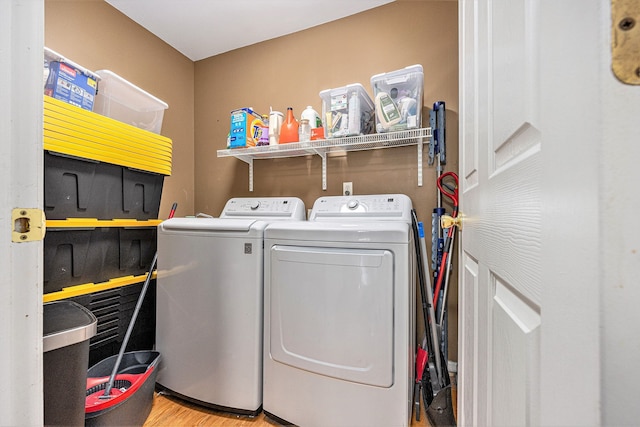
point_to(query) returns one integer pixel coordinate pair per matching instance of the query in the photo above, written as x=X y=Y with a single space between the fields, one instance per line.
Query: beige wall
x=97 y=36
x=292 y=70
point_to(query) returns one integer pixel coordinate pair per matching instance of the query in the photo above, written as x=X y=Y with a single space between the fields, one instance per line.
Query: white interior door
x=21 y=87
x=529 y=340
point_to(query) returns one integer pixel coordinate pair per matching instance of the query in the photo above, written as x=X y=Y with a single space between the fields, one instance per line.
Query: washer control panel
x=378 y=207
x=268 y=207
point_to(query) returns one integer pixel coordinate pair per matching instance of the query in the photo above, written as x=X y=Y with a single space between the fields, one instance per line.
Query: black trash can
x=67 y=328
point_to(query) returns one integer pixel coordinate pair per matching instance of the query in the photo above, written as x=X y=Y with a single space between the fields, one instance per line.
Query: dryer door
x=331 y=312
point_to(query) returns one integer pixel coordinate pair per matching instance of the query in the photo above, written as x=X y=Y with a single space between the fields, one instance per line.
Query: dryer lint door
x=332 y=312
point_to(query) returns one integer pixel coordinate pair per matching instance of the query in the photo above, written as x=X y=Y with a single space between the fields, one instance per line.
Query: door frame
x=21 y=116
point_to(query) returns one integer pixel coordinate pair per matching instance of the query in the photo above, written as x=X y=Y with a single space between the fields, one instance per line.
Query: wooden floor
x=170 y=411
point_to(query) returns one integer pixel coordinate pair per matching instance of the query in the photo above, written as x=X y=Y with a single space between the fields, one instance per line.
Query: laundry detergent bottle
x=289 y=129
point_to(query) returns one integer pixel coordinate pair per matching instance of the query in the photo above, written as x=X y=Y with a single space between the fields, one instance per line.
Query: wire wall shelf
x=324 y=147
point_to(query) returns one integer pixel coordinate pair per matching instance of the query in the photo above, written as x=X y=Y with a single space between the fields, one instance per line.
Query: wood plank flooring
x=169 y=411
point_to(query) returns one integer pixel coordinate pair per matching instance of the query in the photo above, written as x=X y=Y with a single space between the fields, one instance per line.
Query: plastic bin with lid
x=122 y=100
x=347 y=111
x=398 y=99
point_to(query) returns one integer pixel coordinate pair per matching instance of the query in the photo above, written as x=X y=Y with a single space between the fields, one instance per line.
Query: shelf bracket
x=250 y=162
x=324 y=170
x=420 y=145
x=323 y=155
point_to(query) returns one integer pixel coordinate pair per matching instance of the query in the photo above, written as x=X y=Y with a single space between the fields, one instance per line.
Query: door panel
x=516 y=364
x=529 y=99
x=468 y=305
x=512 y=57
x=501 y=163
x=469 y=121
x=511 y=224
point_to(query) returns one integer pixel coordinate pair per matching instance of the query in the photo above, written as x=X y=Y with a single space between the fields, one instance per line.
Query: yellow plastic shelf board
x=96 y=223
x=80 y=133
x=89 y=288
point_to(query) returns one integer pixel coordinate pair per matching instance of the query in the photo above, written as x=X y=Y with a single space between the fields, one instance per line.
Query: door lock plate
x=625 y=40
x=28 y=225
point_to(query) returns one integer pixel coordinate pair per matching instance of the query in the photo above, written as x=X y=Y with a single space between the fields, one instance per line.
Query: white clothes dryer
x=340 y=314
x=210 y=303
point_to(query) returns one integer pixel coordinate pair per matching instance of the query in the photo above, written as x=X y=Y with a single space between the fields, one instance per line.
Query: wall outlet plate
x=347 y=188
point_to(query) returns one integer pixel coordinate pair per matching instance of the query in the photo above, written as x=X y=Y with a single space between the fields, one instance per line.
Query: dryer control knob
x=352 y=204
x=255 y=205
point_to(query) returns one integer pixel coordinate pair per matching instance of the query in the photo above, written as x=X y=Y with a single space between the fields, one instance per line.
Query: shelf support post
x=324 y=170
x=420 y=145
x=248 y=160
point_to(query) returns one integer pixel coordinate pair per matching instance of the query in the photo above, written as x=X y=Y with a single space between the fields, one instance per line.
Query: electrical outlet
x=347 y=188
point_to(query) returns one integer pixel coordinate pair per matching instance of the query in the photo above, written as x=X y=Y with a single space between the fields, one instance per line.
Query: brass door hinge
x=625 y=40
x=28 y=225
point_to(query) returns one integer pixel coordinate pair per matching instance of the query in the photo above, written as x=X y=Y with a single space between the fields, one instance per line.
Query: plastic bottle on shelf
x=305 y=130
x=354 y=114
x=289 y=130
x=386 y=111
x=276 y=118
x=263 y=137
x=312 y=115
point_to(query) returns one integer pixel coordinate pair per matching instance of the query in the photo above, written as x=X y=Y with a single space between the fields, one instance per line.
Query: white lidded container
x=122 y=100
x=337 y=106
x=398 y=99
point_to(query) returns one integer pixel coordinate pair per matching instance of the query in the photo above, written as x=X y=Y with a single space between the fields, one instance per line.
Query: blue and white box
x=69 y=82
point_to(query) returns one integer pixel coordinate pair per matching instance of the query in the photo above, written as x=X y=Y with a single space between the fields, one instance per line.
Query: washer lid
x=349 y=231
x=206 y=224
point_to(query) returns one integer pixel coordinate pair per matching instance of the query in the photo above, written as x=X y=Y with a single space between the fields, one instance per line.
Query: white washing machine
x=210 y=303
x=340 y=314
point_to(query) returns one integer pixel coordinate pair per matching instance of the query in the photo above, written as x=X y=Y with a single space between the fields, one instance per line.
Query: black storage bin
x=114 y=308
x=74 y=256
x=83 y=188
x=67 y=329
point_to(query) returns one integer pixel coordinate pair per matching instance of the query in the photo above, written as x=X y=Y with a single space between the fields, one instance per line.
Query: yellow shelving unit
x=85 y=135
x=81 y=133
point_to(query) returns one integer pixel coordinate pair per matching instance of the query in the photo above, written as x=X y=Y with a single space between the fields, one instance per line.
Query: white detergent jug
x=312 y=115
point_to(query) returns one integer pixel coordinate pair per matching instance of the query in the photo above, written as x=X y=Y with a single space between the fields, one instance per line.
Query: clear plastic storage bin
x=122 y=100
x=347 y=111
x=398 y=99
